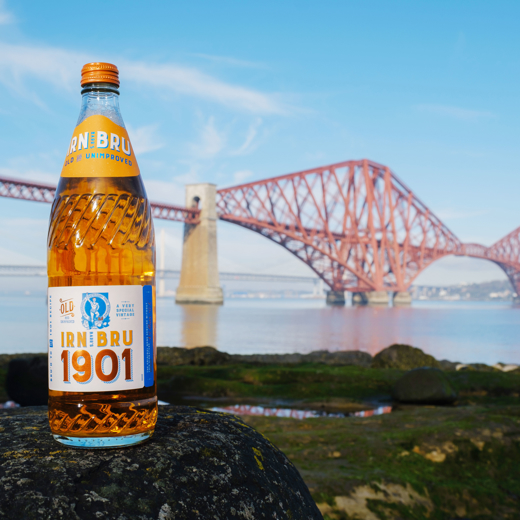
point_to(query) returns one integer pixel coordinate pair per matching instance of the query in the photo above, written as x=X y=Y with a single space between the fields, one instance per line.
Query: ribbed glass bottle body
x=101 y=234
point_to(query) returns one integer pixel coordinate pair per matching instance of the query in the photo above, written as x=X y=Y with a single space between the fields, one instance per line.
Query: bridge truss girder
x=38 y=192
x=355 y=224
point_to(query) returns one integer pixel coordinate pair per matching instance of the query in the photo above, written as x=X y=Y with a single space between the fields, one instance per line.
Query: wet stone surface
x=198 y=464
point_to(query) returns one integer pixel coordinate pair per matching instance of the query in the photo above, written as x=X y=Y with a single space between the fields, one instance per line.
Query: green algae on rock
x=310 y=382
x=198 y=465
x=403 y=357
x=199 y=356
x=424 y=385
x=417 y=463
x=209 y=356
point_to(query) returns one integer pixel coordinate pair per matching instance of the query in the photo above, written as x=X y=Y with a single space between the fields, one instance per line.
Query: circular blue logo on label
x=95 y=310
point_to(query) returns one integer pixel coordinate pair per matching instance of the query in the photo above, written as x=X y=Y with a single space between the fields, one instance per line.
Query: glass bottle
x=101 y=268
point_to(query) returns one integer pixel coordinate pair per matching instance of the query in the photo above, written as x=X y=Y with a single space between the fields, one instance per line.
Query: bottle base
x=103 y=442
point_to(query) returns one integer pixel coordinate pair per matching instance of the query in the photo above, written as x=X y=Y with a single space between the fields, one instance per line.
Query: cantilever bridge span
x=355 y=224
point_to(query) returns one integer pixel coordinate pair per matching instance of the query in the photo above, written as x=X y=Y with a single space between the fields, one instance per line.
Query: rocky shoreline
x=23 y=378
x=455 y=460
x=396 y=356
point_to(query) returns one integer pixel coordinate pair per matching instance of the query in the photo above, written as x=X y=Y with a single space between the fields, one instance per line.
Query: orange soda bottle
x=101 y=268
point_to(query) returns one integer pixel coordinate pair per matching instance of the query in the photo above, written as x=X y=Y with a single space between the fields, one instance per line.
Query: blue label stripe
x=148 y=335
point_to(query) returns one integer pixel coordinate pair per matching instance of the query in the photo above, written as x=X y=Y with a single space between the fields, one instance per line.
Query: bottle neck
x=100 y=99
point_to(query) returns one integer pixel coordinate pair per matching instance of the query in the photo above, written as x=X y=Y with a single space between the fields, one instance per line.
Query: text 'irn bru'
x=101 y=268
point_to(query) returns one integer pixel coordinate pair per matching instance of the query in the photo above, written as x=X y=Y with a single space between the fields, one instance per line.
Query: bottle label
x=100 y=338
x=100 y=148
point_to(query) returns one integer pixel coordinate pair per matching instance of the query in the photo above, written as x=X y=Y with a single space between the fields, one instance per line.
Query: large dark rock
x=348 y=357
x=268 y=359
x=200 y=356
x=5 y=358
x=403 y=357
x=481 y=367
x=206 y=356
x=424 y=386
x=27 y=380
x=444 y=364
x=198 y=465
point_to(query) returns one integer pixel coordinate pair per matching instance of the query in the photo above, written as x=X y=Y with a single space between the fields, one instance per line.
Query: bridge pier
x=335 y=298
x=402 y=299
x=199 y=282
x=372 y=298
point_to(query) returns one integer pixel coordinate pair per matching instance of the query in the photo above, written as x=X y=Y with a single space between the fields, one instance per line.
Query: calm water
x=467 y=332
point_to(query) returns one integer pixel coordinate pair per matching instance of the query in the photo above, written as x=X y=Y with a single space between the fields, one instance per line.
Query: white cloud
x=211 y=141
x=57 y=66
x=252 y=132
x=242 y=175
x=6 y=17
x=170 y=192
x=192 y=82
x=454 y=112
x=145 y=139
x=61 y=68
x=30 y=175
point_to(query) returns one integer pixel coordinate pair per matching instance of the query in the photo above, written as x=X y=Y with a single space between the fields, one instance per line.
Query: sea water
x=469 y=332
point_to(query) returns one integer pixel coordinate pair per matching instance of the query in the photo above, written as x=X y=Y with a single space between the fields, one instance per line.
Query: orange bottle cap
x=98 y=72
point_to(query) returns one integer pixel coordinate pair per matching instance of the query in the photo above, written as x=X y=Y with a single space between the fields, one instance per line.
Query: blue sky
x=234 y=91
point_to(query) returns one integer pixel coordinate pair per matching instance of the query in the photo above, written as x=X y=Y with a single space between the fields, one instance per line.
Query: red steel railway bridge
x=355 y=224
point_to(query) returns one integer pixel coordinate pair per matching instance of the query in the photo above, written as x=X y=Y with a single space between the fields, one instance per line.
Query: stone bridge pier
x=199 y=281
x=335 y=298
x=371 y=298
x=381 y=298
x=375 y=298
x=402 y=299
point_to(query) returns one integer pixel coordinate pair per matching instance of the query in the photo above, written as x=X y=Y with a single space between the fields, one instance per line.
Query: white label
x=100 y=338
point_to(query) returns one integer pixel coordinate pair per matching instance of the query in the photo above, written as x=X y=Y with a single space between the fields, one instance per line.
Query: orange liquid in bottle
x=101 y=235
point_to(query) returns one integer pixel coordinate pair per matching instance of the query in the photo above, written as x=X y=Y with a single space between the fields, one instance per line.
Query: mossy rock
x=416 y=463
x=424 y=386
x=199 y=356
x=198 y=465
x=403 y=357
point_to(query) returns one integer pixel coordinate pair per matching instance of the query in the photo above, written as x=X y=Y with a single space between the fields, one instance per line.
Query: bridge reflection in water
x=467 y=332
x=199 y=325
